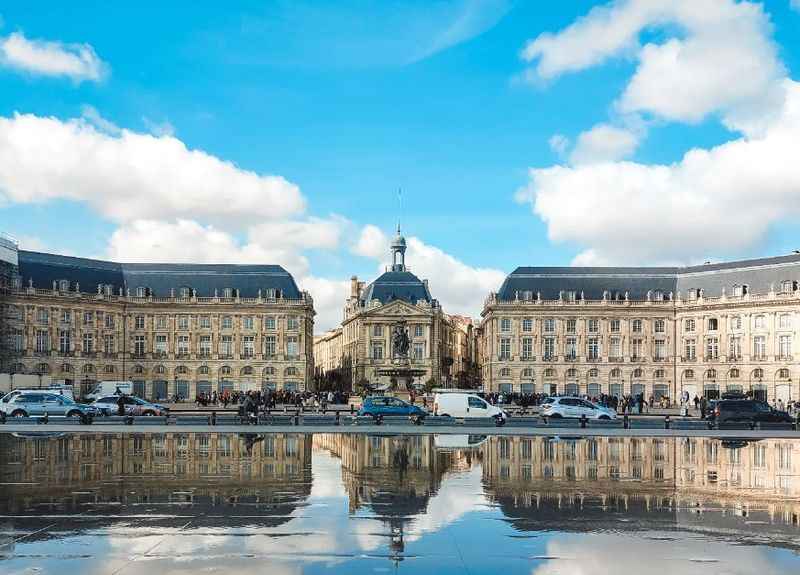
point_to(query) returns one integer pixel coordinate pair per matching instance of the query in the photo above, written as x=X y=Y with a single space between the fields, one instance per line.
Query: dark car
x=746 y=410
x=383 y=405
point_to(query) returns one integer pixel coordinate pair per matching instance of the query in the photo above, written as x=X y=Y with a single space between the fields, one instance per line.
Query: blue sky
x=349 y=101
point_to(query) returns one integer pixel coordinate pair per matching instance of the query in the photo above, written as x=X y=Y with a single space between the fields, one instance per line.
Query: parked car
x=576 y=407
x=746 y=410
x=464 y=405
x=65 y=391
x=31 y=403
x=384 y=405
x=133 y=406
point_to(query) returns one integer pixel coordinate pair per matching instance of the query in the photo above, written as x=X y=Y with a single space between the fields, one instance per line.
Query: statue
x=400 y=342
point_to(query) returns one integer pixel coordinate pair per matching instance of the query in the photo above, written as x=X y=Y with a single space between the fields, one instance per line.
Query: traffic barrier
x=649 y=423
x=438 y=420
x=227 y=420
x=396 y=420
x=689 y=424
x=364 y=420
x=150 y=420
x=775 y=425
x=607 y=423
x=193 y=420
x=276 y=419
x=525 y=422
x=735 y=425
x=318 y=420
x=110 y=420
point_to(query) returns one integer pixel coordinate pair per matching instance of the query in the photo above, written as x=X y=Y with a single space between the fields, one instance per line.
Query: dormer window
x=141 y=291
x=271 y=293
x=108 y=289
x=63 y=285
x=658 y=295
x=788 y=286
x=227 y=293
x=693 y=294
x=185 y=292
x=570 y=295
x=737 y=291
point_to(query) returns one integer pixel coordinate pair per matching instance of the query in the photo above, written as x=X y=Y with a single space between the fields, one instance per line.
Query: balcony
x=784 y=358
x=225 y=356
x=592 y=359
x=616 y=359
x=736 y=357
x=160 y=354
x=638 y=359
x=528 y=358
x=571 y=357
x=504 y=357
x=759 y=358
x=88 y=354
x=204 y=354
x=711 y=358
x=549 y=358
x=66 y=353
x=247 y=356
x=183 y=355
x=660 y=359
x=687 y=359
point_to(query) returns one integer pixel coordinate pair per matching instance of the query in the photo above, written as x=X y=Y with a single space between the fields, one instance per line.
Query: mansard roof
x=759 y=275
x=397 y=285
x=160 y=278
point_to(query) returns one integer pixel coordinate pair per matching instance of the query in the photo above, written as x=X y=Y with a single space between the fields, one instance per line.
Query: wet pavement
x=187 y=502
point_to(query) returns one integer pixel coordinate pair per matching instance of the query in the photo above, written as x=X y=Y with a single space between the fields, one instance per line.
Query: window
x=735 y=348
x=88 y=343
x=63 y=285
x=205 y=322
x=784 y=321
x=505 y=348
x=205 y=345
x=161 y=321
x=527 y=347
x=227 y=322
x=183 y=322
x=615 y=348
x=505 y=324
x=549 y=325
x=42 y=341
x=660 y=351
x=712 y=348
x=711 y=374
x=185 y=292
x=292 y=349
x=182 y=345
x=593 y=373
x=760 y=347
x=527 y=373
x=292 y=323
x=759 y=322
x=659 y=326
x=593 y=325
x=688 y=374
x=269 y=322
x=248 y=322
x=689 y=325
x=614 y=325
x=88 y=318
x=66 y=316
x=712 y=324
x=658 y=295
x=225 y=370
x=572 y=325
x=638 y=373
x=377 y=351
x=160 y=345
x=270 y=345
x=17 y=341
x=549 y=348
x=138 y=345
x=737 y=291
x=109 y=369
x=616 y=373
x=505 y=372
x=570 y=349
x=787 y=286
x=658 y=374
x=226 y=346
x=291 y=371
x=419 y=331
x=734 y=373
x=758 y=373
x=139 y=322
x=42 y=315
x=689 y=350
x=571 y=295
x=637 y=348
x=202 y=370
x=527 y=324
x=418 y=351
x=227 y=292
x=785 y=346
x=636 y=326
x=109 y=321
x=594 y=348
x=549 y=372
x=64 y=341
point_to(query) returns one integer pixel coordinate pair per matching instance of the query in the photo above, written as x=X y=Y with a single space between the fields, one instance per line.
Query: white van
x=464 y=405
x=105 y=388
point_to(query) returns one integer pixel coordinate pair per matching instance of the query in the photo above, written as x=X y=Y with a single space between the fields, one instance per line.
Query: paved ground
x=396 y=430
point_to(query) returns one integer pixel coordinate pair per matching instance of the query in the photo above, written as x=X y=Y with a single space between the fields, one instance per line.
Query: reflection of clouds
x=677 y=554
x=459 y=494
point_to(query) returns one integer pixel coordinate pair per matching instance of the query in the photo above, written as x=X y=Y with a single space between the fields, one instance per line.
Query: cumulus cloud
x=721 y=200
x=723 y=44
x=604 y=143
x=132 y=176
x=559 y=144
x=79 y=62
x=372 y=243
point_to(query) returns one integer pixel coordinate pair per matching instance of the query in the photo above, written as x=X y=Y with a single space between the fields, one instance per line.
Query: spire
x=398 y=247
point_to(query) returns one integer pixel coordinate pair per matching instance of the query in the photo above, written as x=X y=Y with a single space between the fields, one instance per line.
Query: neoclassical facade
x=362 y=349
x=702 y=330
x=172 y=329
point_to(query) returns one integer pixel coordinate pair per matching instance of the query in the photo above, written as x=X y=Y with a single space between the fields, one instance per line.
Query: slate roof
x=393 y=285
x=759 y=275
x=160 y=278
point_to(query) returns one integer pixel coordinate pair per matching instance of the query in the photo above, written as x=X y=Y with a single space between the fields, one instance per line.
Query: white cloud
x=603 y=143
x=164 y=128
x=78 y=62
x=721 y=200
x=559 y=144
x=372 y=243
x=133 y=176
x=91 y=115
x=724 y=61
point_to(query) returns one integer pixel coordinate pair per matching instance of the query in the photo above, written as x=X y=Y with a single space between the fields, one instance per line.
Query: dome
x=397 y=285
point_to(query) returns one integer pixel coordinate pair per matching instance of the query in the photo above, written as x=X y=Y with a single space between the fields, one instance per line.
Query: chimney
x=354 y=287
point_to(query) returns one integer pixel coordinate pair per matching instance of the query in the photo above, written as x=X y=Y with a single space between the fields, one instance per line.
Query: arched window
x=737 y=291
x=572 y=373
x=637 y=373
x=527 y=373
x=593 y=373
x=202 y=370
x=225 y=370
x=688 y=374
x=108 y=369
x=42 y=368
x=783 y=373
x=185 y=292
x=758 y=373
x=658 y=295
x=182 y=369
x=138 y=369
x=269 y=370
x=616 y=373
x=659 y=374
x=505 y=372
x=549 y=372
x=711 y=374
x=66 y=368
x=247 y=370
x=160 y=369
x=786 y=286
x=290 y=371
x=733 y=373
x=88 y=368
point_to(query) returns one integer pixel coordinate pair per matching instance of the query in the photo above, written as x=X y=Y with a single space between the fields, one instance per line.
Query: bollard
x=666 y=422
x=284 y=408
x=583 y=421
x=213 y=418
x=128 y=420
x=378 y=420
x=46 y=418
x=297 y=418
x=352 y=408
x=3 y=417
x=337 y=417
x=626 y=424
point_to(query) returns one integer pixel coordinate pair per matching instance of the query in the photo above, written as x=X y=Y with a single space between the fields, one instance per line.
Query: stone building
x=363 y=349
x=172 y=329
x=702 y=330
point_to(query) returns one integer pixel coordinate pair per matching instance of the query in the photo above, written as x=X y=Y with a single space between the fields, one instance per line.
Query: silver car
x=109 y=405
x=32 y=403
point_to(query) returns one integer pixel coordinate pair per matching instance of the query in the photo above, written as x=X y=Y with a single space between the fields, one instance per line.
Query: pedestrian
x=121 y=405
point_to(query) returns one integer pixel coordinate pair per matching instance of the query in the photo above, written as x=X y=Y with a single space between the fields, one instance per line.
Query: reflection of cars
x=576 y=407
x=133 y=406
x=746 y=410
x=38 y=403
x=457 y=441
x=459 y=404
x=382 y=405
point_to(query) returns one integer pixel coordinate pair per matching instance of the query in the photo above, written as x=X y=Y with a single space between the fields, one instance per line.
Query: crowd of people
x=269 y=399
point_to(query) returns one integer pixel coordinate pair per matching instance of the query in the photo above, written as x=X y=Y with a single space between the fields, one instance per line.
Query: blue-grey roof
x=759 y=275
x=394 y=285
x=160 y=278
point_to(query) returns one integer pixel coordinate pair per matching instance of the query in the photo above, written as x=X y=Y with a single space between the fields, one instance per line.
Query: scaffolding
x=9 y=280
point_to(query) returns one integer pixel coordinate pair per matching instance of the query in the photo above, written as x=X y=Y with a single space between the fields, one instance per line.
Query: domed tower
x=398 y=252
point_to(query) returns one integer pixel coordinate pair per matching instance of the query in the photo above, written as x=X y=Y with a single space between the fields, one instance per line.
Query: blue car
x=381 y=405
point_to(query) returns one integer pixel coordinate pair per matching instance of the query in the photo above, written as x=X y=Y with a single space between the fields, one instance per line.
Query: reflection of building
x=171 y=328
x=112 y=467
x=657 y=331
x=362 y=349
x=8 y=272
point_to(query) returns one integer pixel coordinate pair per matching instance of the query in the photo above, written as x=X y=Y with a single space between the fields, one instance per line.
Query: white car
x=133 y=406
x=459 y=404
x=576 y=407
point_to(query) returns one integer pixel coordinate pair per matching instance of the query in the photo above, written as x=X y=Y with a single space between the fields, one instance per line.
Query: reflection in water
x=185 y=502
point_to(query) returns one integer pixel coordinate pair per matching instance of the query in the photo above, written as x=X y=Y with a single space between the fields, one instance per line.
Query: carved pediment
x=398 y=309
